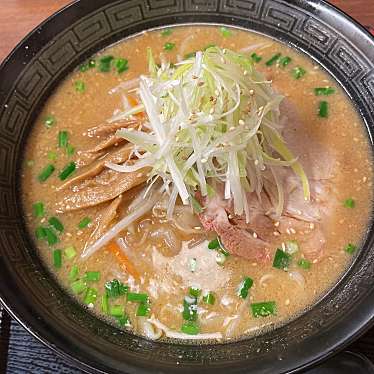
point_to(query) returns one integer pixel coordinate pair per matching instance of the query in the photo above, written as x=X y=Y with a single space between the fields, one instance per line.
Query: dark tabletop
x=19 y=351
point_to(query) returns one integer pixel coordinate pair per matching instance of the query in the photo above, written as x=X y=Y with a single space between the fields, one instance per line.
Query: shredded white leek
x=212 y=116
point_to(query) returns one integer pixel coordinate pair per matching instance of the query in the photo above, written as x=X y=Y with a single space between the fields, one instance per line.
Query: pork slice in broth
x=110 y=128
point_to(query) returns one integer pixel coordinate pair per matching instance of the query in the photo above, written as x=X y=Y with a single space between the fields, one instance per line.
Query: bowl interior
x=28 y=290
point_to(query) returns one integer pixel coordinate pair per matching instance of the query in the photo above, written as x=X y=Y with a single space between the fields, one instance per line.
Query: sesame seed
x=311 y=225
x=288 y=231
x=232 y=128
x=276 y=233
x=230 y=216
x=251 y=92
x=245 y=72
x=364 y=179
x=216 y=92
x=254 y=263
x=241 y=122
x=283 y=246
x=287 y=302
x=315 y=261
x=204 y=160
x=256 y=162
x=211 y=111
x=293 y=231
x=276 y=224
x=255 y=235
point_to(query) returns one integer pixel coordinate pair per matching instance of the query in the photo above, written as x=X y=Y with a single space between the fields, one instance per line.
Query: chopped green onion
x=78 y=286
x=319 y=91
x=83 y=68
x=70 y=252
x=73 y=273
x=56 y=224
x=121 y=64
x=123 y=320
x=282 y=260
x=349 y=203
x=196 y=292
x=273 y=60
x=190 y=328
x=70 y=150
x=323 y=109
x=209 y=298
x=196 y=205
x=166 y=32
x=38 y=209
x=88 y=65
x=292 y=246
x=80 y=86
x=67 y=171
x=50 y=236
x=284 y=61
x=46 y=173
x=225 y=32
x=52 y=156
x=298 y=72
x=117 y=311
x=304 y=264
x=91 y=64
x=104 y=63
x=189 y=308
x=40 y=233
x=63 y=138
x=264 y=309
x=92 y=276
x=214 y=244
x=169 y=46
x=49 y=121
x=84 y=222
x=255 y=57
x=105 y=304
x=57 y=258
x=143 y=310
x=350 y=248
x=137 y=297
x=244 y=287
x=91 y=296
x=115 y=288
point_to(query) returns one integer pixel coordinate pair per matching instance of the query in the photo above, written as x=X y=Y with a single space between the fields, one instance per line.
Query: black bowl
x=30 y=293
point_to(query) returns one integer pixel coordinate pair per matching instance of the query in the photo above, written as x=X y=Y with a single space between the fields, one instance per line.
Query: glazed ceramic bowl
x=30 y=293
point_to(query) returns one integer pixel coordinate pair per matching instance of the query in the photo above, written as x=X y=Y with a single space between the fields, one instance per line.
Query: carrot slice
x=122 y=259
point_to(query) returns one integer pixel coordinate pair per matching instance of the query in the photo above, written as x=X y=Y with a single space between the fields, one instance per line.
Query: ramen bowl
x=29 y=291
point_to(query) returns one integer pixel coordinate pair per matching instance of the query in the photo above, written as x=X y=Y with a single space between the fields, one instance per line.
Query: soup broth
x=160 y=258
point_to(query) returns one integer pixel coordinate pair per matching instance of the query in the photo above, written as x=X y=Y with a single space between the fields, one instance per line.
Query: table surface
x=19 y=352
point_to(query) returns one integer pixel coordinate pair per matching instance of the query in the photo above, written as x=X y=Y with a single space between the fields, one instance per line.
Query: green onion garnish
x=104 y=63
x=91 y=296
x=304 y=264
x=121 y=64
x=52 y=156
x=83 y=68
x=80 y=86
x=225 y=32
x=56 y=224
x=292 y=246
x=273 y=60
x=105 y=303
x=264 y=309
x=92 y=276
x=284 y=61
x=189 y=308
x=73 y=273
x=57 y=258
x=38 y=209
x=117 y=311
x=40 y=233
x=196 y=292
x=319 y=91
x=190 y=328
x=115 y=288
x=91 y=64
x=78 y=286
x=123 y=320
x=349 y=203
x=137 y=297
x=255 y=57
x=166 y=32
x=209 y=298
x=84 y=222
x=244 y=287
x=70 y=252
x=50 y=236
x=169 y=46
x=63 y=138
x=46 y=173
x=281 y=260
x=143 y=310
x=88 y=65
x=350 y=248
x=49 y=121
x=214 y=244
x=70 y=150
x=323 y=109
x=67 y=171
x=298 y=72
